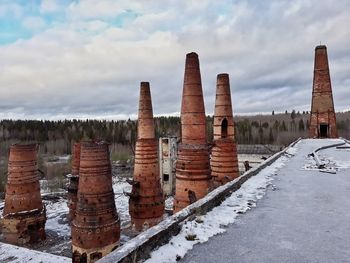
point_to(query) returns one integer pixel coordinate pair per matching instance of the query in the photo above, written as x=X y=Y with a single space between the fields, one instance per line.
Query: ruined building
x=24 y=214
x=96 y=226
x=322 y=117
x=146 y=203
x=167 y=160
x=73 y=181
x=224 y=162
x=193 y=177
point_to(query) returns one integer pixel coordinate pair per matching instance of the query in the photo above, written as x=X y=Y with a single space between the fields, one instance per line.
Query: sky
x=63 y=59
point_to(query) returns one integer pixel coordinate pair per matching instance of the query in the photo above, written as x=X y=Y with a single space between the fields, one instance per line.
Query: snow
x=215 y=221
x=303 y=217
x=15 y=254
x=121 y=200
x=333 y=159
x=56 y=213
x=57 y=226
x=169 y=202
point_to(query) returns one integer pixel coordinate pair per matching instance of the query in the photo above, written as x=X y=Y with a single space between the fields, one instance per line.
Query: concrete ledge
x=140 y=247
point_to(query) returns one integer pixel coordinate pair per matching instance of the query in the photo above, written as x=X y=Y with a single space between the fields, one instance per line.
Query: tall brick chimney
x=224 y=163
x=192 y=167
x=72 y=197
x=24 y=214
x=96 y=226
x=146 y=203
x=322 y=117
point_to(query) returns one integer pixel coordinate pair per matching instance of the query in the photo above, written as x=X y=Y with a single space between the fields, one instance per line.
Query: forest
x=56 y=137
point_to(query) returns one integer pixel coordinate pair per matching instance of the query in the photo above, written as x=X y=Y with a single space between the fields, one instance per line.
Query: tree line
x=56 y=137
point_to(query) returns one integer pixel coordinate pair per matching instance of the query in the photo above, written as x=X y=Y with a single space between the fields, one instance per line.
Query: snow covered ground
x=253 y=159
x=58 y=230
x=303 y=217
x=216 y=221
x=283 y=181
x=15 y=254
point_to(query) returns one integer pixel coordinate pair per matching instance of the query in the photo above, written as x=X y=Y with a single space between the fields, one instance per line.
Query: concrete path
x=306 y=219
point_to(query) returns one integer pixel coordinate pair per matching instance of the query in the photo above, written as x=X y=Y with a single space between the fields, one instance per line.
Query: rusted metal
x=96 y=226
x=24 y=214
x=146 y=203
x=224 y=161
x=322 y=117
x=193 y=179
x=72 y=189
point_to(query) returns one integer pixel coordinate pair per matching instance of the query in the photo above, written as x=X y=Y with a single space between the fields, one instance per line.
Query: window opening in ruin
x=83 y=258
x=95 y=256
x=323 y=130
x=32 y=231
x=224 y=125
x=165 y=177
x=76 y=257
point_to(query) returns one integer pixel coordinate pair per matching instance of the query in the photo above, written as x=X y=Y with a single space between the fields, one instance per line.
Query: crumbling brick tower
x=72 y=197
x=24 y=214
x=96 y=226
x=224 y=163
x=193 y=178
x=322 y=117
x=146 y=203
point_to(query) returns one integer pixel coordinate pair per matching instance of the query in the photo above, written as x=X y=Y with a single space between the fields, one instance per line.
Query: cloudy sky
x=85 y=59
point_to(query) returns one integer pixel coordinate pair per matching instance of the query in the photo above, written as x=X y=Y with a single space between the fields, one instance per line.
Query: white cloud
x=89 y=67
x=50 y=6
x=33 y=23
x=89 y=9
x=11 y=9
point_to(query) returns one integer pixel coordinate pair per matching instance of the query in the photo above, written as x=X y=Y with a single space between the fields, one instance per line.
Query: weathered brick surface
x=224 y=162
x=96 y=226
x=24 y=214
x=146 y=203
x=322 y=106
x=140 y=247
x=193 y=179
x=72 y=189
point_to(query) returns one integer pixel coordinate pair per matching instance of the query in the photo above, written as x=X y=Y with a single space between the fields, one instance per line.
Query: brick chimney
x=96 y=226
x=146 y=203
x=193 y=178
x=24 y=214
x=72 y=197
x=224 y=163
x=322 y=117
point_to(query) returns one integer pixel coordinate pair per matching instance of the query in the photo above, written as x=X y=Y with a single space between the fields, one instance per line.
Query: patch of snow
x=15 y=254
x=56 y=213
x=121 y=200
x=292 y=150
x=327 y=157
x=214 y=222
x=169 y=202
